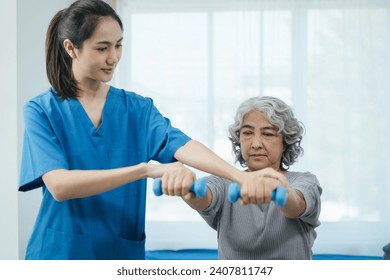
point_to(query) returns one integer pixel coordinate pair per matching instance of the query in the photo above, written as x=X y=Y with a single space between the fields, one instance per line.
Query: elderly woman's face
x=261 y=144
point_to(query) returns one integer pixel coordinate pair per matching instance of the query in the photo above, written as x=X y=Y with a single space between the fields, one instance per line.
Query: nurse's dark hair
x=76 y=23
x=278 y=114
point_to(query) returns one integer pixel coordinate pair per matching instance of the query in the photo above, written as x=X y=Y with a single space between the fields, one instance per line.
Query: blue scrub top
x=59 y=134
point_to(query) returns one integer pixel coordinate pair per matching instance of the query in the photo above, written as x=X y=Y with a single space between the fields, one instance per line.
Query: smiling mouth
x=108 y=71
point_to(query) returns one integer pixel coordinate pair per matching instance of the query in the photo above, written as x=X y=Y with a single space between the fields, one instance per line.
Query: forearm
x=67 y=184
x=295 y=204
x=198 y=203
x=197 y=155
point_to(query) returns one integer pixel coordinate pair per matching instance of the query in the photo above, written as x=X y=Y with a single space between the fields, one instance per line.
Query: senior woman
x=266 y=139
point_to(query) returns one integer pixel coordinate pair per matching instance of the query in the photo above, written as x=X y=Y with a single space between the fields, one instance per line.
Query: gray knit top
x=262 y=231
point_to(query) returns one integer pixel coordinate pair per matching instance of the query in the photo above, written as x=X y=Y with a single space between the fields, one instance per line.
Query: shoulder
x=134 y=104
x=294 y=175
x=303 y=180
x=49 y=94
x=218 y=185
x=213 y=180
x=42 y=102
x=131 y=97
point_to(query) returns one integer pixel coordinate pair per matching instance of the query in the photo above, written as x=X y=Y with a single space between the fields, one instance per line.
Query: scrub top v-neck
x=60 y=135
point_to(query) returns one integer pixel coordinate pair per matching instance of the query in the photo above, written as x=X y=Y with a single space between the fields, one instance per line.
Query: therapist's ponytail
x=77 y=24
x=58 y=61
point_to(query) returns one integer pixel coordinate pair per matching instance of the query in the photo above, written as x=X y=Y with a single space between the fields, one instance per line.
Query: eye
x=102 y=49
x=268 y=134
x=246 y=132
x=118 y=46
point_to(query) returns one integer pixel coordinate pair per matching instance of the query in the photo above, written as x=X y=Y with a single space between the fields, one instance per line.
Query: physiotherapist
x=88 y=145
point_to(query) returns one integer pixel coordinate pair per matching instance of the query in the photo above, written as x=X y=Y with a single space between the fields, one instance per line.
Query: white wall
x=31 y=80
x=8 y=137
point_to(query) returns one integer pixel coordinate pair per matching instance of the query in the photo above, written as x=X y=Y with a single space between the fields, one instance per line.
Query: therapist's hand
x=176 y=179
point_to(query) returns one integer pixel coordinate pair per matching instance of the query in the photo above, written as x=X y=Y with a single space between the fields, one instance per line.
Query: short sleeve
x=163 y=140
x=41 y=151
x=211 y=213
x=311 y=190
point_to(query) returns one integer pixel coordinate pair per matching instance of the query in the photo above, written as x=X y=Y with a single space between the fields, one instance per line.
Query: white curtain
x=328 y=59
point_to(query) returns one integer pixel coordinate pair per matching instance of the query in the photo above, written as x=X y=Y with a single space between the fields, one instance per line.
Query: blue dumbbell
x=278 y=195
x=198 y=187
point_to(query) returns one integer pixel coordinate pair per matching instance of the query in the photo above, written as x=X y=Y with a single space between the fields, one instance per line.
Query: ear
x=69 y=48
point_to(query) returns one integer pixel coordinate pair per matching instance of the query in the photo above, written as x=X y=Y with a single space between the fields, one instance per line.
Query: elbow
x=59 y=198
x=56 y=186
x=295 y=206
x=57 y=192
x=295 y=212
x=292 y=215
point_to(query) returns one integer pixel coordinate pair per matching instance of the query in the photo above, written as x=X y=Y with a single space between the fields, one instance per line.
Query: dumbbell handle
x=278 y=195
x=199 y=187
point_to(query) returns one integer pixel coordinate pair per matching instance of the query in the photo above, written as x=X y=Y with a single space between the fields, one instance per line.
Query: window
x=328 y=59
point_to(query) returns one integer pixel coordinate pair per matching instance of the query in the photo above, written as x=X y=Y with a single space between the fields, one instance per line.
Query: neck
x=93 y=91
x=276 y=169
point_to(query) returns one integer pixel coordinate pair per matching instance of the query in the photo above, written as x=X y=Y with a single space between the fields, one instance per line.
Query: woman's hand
x=257 y=186
x=176 y=179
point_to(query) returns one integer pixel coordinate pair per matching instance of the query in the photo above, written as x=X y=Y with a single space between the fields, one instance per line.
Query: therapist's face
x=99 y=55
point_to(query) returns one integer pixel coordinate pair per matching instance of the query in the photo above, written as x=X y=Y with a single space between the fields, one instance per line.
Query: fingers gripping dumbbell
x=278 y=195
x=199 y=187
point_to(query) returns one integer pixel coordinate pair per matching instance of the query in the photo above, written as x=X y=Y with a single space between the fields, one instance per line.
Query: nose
x=113 y=57
x=256 y=143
